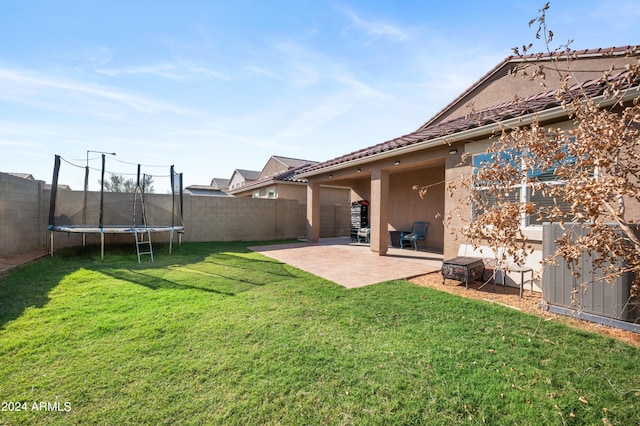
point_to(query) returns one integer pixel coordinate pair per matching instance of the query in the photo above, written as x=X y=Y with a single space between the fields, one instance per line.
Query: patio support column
x=313 y=211
x=379 y=211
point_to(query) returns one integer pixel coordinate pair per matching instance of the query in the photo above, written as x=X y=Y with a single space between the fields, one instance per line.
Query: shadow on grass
x=221 y=268
x=155 y=283
x=29 y=286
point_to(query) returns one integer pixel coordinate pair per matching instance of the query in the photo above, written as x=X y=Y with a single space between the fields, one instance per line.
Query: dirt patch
x=509 y=296
x=10 y=261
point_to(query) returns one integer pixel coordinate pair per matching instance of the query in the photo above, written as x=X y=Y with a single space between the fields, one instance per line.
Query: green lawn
x=216 y=334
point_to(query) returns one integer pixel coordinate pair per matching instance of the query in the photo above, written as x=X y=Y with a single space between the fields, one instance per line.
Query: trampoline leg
x=101 y=246
x=170 y=240
x=51 y=239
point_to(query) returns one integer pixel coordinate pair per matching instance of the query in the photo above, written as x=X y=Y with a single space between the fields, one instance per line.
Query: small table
x=522 y=270
x=462 y=269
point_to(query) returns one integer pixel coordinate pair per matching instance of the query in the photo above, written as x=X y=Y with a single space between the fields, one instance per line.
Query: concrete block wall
x=21 y=216
x=335 y=221
x=24 y=213
x=242 y=219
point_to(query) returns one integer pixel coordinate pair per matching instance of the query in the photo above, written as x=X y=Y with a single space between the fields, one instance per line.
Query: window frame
x=531 y=230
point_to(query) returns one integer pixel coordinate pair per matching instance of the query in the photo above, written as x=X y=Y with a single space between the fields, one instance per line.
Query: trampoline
x=103 y=212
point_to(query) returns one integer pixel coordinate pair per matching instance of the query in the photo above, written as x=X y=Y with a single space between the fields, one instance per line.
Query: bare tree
x=118 y=183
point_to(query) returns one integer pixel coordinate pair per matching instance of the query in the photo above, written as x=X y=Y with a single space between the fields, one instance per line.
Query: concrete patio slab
x=352 y=264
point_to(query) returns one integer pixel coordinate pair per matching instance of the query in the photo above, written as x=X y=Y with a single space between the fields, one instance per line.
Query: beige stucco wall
x=456 y=206
x=406 y=206
x=272 y=168
x=292 y=192
x=361 y=189
x=503 y=87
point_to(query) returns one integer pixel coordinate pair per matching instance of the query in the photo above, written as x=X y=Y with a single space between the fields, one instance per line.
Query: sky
x=214 y=86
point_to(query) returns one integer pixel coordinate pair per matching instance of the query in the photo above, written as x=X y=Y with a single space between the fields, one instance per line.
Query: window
x=272 y=193
x=521 y=189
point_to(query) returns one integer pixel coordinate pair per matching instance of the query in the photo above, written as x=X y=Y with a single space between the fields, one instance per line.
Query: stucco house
x=278 y=179
x=205 y=190
x=217 y=188
x=27 y=176
x=220 y=184
x=241 y=177
x=385 y=173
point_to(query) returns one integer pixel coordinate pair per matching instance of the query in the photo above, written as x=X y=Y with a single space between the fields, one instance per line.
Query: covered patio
x=386 y=177
x=351 y=264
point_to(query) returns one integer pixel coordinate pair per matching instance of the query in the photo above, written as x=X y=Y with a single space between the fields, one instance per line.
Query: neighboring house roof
x=240 y=178
x=292 y=162
x=48 y=186
x=493 y=115
x=23 y=175
x=205 y=190
x=278 y=164
x=246 y=174
x=220 y=183
x=288 y=176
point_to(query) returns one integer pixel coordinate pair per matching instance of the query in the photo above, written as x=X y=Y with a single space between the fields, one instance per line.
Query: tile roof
x=204 y=190
x=248 y=174
x=220 y=183
x=23 y=175
x=477 y=119
x=286 y=176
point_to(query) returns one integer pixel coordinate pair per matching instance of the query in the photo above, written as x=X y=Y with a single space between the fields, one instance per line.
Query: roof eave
x=531 y=58
x=550 y=114
x=262 y=185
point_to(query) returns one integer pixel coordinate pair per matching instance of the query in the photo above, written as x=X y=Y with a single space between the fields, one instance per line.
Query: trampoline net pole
x=86 y=190
x=100 y=224
x=181 y=200
x=173 y=196
x=84 y=203
x=54 y=191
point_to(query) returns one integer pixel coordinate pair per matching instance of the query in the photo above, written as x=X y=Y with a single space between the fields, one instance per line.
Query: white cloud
x=375 y=30
x=33 y=86
x=309 y=120
x=263 y=72
x=170 y=71
x=96 y=56
x=161 y=70
x=209 y=73
x=19 y=143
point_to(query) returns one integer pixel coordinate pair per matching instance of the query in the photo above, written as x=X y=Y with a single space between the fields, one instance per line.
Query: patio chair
x=364 y=233
x=418 y=232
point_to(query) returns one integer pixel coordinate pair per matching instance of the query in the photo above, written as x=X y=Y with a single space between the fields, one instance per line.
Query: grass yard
x=216 y=334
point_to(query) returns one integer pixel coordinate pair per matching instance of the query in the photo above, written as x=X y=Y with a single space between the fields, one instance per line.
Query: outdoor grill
x=462 y=269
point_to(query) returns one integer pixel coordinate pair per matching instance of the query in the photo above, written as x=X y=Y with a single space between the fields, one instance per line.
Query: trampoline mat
x=114 y=229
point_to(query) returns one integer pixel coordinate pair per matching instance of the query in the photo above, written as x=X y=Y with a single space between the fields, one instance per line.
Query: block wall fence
x=24 y=213
x=23 y=221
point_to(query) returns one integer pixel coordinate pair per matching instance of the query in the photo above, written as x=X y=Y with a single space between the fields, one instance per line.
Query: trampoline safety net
x=114 y=197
